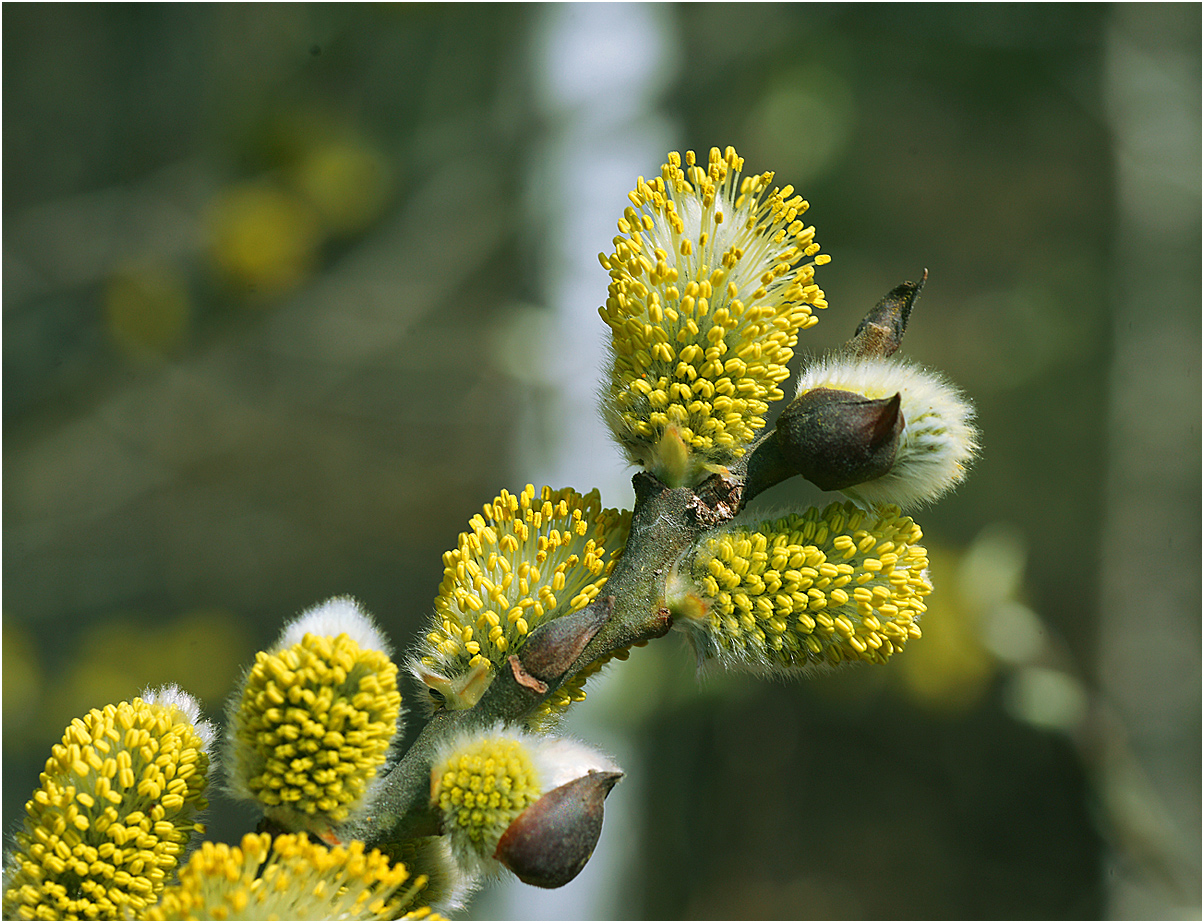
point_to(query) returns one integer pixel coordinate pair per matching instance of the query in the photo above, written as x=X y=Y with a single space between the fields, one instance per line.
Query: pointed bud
x=482 y=784
x=551 y=841
x=554 y=646
x=929 y=453
x=881 y=332
x=836 y=439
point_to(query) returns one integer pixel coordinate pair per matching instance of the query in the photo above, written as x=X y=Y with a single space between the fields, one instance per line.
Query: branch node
x=716 y=500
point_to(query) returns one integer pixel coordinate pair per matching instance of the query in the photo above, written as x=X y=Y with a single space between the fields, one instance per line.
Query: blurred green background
x=291 y=290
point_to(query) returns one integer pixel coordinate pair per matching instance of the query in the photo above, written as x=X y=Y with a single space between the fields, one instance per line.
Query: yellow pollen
x=742 y=287
x=561 y=548
x=784 y=605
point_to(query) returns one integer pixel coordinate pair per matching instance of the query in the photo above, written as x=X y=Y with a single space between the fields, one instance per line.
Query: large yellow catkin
x=712 y=278
x=115 y=810
x=808 y=590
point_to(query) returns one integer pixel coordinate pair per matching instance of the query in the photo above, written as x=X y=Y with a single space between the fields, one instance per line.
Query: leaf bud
x=551 y=841
x=512 y=799
x=881 y=332
x=555 y=645
x=836 y=439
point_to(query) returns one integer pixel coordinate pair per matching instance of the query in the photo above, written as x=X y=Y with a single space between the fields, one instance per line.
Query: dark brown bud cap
x=837 y=439
x=550 y=842
x=553 y=646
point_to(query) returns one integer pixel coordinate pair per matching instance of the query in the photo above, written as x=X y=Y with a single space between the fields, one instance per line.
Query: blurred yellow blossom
x=147 y=309
x=950 y=671
x=197 y=649
x=263 y=237
x=347 y=181
x=22 y=683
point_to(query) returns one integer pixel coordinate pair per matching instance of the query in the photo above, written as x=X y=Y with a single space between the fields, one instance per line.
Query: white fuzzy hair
x=938 y=440
x=338 y=615
x=172 y=696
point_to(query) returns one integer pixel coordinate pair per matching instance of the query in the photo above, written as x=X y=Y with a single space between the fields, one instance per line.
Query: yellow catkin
x=527 y=558
x=113 y=814
x=712 y=278
x=313 y=727
x=806 y=590
x=290 y=878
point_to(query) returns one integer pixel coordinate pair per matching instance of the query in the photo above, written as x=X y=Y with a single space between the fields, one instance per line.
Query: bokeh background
x=291 y=290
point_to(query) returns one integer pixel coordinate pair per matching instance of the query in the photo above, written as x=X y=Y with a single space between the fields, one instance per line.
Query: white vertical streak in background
x=1150 y=592
x=600 y=70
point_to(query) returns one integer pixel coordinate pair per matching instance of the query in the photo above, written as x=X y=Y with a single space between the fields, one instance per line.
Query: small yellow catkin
x=527 y=559
x=481 y=782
